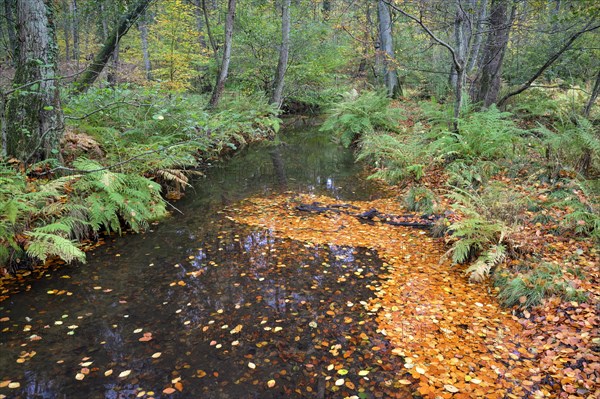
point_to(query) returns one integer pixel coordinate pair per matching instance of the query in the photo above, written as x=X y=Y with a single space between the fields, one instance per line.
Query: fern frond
x=43 y=245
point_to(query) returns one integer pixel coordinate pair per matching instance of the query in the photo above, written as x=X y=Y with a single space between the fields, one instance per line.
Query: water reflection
x=214 y=297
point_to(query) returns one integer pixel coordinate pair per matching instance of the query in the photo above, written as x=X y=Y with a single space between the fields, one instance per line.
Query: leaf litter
x=455 y=338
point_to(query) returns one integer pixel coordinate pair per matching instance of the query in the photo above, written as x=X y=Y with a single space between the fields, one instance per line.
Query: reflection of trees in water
x=278 y=167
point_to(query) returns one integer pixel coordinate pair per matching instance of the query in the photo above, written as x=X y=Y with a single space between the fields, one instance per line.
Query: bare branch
x=589 y=27
x=419 y=21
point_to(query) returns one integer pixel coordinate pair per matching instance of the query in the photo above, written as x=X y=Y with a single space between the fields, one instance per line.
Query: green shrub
x=34 y=221
x=420 y=199
x=488 y=135
x=528 y=289
x=396 y=157
x=573 y=144
x=483 y=233
x=357 y=115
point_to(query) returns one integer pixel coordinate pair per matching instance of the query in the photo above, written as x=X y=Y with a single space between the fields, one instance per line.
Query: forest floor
x=456 y=339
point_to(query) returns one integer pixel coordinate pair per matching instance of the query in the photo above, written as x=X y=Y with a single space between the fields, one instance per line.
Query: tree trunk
x=213 y=45
x=199 y=23
x=390 y=76
x=75 y=28
x=9 y=6
x=593 y=96
x=35 y=119
x=224 y=70
x=67 y=33
x=481 y=17
x=487 y=86
x=459 y=65
x=143 y=27
x=277 y=95
x=95 y=68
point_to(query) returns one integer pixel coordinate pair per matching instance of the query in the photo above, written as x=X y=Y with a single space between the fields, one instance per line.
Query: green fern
x=357 y=115
x=573 y=144
x=396 y=157
x=420 y=199
x=42 y=245
x=114 y=197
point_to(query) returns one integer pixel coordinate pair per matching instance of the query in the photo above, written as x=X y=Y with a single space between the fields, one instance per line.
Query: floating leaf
x=124 y=374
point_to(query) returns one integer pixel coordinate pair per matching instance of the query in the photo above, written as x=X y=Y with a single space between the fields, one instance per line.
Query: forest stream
x=199 y=306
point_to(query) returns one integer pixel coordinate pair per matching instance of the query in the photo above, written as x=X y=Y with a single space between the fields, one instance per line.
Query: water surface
x=222 y=310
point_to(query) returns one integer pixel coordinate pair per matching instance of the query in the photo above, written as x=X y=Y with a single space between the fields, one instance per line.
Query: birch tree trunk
x=277 y=95
x=34 y=115
x=459 y=63
x=390 y=75
x=224 y=70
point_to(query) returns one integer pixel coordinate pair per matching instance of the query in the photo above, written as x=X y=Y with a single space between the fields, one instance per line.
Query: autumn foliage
x=455 y=338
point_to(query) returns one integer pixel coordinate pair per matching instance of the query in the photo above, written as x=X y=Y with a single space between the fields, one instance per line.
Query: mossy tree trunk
x=92 y=72
x=34 y=119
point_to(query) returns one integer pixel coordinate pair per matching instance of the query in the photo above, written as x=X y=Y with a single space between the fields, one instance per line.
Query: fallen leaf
x=124 y=374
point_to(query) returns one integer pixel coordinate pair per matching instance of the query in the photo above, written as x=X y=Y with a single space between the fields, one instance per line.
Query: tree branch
x=419 y=21
x=587 y=28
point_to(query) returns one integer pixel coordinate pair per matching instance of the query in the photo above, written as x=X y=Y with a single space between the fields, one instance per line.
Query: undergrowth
x=357 y=115
x=121 y=146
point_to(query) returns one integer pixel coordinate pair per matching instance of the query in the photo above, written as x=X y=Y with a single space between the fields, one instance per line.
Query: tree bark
x=143 y=27
x=91 y=73
x=75 y=29
x=478 y=35
x=9 y=6
x=67 y=32
x=213 y=45
x=593 y=97
x=487 y=87
x=284 y=51
x=199 y=23
x=224 y=70
x=34 y=115
x=390 y=75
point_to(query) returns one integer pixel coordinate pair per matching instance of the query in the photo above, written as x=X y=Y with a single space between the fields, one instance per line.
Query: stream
x=201 y=307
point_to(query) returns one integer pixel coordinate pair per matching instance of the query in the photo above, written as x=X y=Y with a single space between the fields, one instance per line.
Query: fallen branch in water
x=373 y=215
